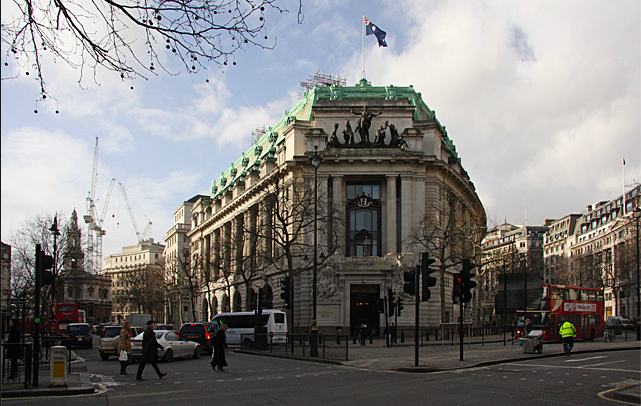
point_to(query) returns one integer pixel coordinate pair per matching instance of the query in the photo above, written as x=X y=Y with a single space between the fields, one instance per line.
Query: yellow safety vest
x=567 y=330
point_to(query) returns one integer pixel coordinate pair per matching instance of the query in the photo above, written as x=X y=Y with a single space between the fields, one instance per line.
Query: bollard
x=402 y=336
x=338 y=339
x=58 y=363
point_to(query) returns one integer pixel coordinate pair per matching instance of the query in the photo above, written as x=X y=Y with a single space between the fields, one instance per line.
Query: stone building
x=390 y=185
x=137 y=284
x=604 y=252
x=182 y=285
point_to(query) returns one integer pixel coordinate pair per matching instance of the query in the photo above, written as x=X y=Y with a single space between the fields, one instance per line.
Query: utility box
x=58 y=361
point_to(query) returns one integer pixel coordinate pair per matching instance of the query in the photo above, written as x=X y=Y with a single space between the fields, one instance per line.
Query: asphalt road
x=255 y=380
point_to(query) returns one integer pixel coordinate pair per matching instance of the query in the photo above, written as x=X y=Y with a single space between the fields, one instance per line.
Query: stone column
x=390 y=215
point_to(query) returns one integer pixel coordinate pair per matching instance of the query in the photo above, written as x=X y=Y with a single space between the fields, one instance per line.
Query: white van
x=619 y=322
x=240 y=325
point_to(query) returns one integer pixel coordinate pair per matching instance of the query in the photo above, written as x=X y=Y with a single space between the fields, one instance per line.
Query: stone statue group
x=362 y=129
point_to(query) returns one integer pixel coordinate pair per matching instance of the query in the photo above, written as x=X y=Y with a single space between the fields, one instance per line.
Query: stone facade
x=389 y=185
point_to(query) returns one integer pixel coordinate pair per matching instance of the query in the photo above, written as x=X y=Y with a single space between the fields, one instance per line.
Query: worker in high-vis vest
x=567 y=333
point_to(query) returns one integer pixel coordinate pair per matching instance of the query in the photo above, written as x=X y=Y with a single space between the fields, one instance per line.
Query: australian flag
x=370 y=28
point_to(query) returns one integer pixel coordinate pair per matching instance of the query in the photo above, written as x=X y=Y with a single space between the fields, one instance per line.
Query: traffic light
x=410 y=281
x=458 y=286
x=286 y=292
x=399 y=305
x=428 y=281
x=468 y=282
x=44 y=268
x=391 y=302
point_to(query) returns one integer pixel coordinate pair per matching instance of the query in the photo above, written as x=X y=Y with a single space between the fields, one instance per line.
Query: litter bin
x=260 y=335
x=58 y=365
x=533 y=342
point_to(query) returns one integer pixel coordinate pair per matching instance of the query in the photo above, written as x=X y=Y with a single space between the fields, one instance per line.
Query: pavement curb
x=294 y=357
x=54 y=391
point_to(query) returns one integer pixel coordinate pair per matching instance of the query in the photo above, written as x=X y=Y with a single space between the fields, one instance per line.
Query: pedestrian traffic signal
x=428 y=281
x=458 y=286
x=410 y=281
x=44 y=266
x=286 y=292
x=391 y=302
x=399 y=305
x=468 y=282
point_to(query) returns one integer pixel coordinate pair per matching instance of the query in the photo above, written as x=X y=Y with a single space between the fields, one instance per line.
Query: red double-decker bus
x=583 y=307
x=66 y=313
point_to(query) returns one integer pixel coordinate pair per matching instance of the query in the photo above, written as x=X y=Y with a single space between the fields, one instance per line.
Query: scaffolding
x=320 y=79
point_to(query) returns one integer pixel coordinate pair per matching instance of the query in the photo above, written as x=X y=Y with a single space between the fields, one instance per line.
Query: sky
x=542 y=100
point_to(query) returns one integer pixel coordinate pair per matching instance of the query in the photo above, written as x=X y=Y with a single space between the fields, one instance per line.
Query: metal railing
x=329 y=347
x=24 y=361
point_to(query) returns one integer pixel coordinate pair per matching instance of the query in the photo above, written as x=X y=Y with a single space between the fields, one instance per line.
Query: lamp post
x=315 y=160
x=637 y=214
x=55 y=232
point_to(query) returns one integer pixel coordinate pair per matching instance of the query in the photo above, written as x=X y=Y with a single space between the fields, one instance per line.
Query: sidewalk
x=78 y=383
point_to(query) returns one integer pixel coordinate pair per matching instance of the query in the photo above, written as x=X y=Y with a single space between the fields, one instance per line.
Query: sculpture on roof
x=333 y=139
x=364 y=122
x=380 y=134
x=348 y=134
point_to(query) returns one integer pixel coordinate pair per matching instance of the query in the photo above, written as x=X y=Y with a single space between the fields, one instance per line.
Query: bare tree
x=448 y=231
x=283 y=240
x=23 y=256
x=182 y=282
x=141 y=291
x=128 y=37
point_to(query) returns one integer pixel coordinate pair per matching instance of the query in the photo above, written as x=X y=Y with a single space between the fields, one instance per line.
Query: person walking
x=150 y=348
x=567 y=333
x=13 y=347
x=220 y=344
x=124 y=347
x=363 y=334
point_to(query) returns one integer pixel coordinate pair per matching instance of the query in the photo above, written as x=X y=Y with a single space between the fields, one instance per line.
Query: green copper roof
x=303 y=111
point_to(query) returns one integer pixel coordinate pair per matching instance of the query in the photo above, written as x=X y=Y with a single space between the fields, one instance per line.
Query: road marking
x=585 y=359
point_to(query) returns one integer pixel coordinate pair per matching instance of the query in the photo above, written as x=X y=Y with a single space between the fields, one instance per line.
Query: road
x=256 y=380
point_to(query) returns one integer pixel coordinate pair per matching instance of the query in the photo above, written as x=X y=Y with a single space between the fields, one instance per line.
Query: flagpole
x=623 y=196
x=363 y=50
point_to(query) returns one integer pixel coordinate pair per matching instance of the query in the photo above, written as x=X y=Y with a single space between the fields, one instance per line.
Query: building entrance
x=363 y=309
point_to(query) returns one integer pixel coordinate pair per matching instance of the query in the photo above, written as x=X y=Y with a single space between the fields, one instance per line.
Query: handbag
x=123 y=356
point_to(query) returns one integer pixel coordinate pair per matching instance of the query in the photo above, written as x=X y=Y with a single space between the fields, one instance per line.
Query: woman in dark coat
x=13 y=349
x=220 y=343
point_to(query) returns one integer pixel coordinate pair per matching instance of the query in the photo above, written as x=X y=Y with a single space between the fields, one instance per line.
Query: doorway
x=363 y=308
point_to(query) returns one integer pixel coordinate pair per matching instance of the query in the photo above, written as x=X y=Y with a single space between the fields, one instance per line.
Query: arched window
x=364 y=219
x=237 y=302
x=205 y=310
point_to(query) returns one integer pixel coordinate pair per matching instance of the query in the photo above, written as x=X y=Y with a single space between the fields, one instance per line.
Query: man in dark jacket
x=149 y=351
x=13 y=347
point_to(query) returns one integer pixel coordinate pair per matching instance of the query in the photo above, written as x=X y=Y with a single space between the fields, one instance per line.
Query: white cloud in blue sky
x=541 y=99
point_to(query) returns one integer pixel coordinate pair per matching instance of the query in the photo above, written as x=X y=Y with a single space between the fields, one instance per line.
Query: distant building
x=556 y=248
x=179 y=280
x=136 y=276
x=91 y=292
x=509 y=249
x=603 y=252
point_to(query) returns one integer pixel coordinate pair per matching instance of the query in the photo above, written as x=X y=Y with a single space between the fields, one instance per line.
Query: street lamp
x=637 y=214
x=55 y=232
x=315 y=160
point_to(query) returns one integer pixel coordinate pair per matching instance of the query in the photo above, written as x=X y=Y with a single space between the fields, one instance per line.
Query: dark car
x=79 y=335
x=201 y=332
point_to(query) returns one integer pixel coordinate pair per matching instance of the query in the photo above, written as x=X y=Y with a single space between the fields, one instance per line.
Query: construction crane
x=94 y=223
x=141 y=236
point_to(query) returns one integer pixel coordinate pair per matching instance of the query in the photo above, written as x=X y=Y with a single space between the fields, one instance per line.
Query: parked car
x=109 y=338
x=174 y=344
x=165 y=327
x=201 y=332
x=78 y=335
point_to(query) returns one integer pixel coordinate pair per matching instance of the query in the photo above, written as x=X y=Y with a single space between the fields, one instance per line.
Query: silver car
x=174 y=344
